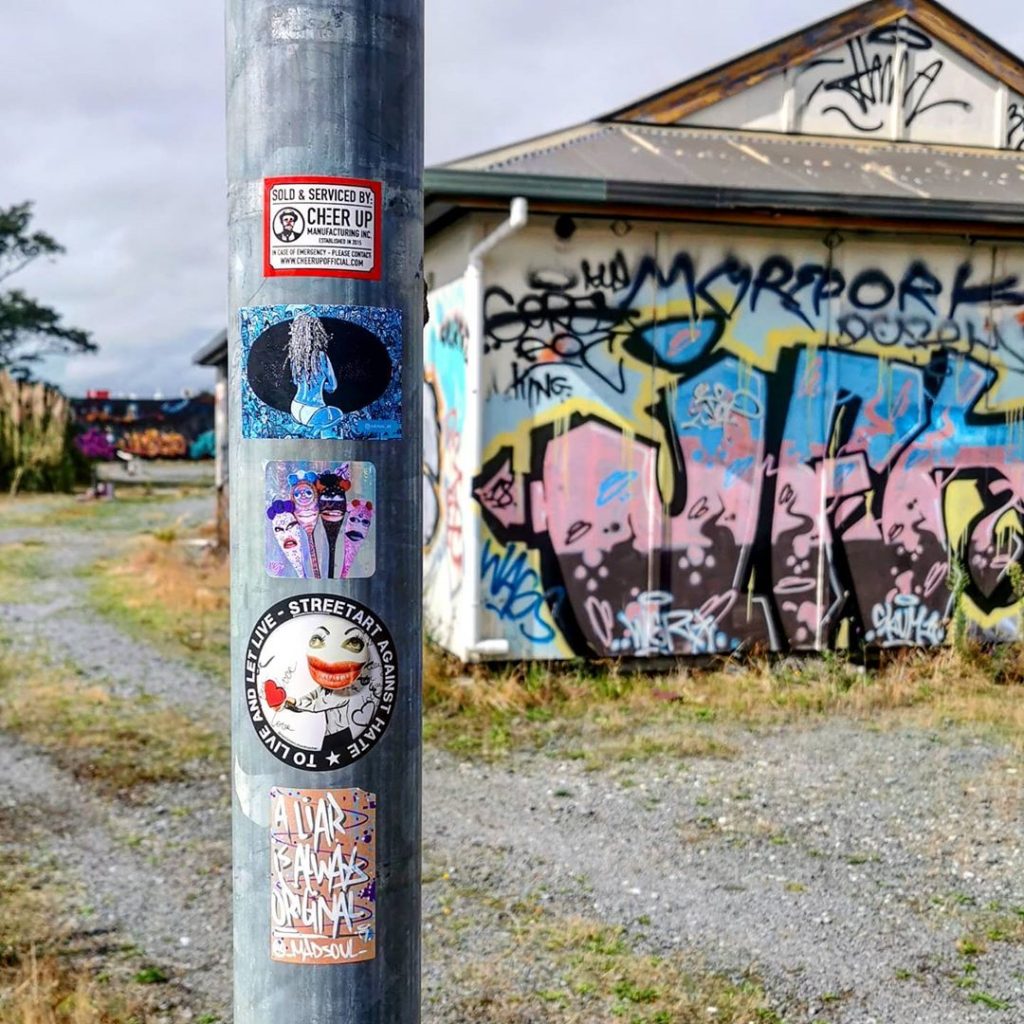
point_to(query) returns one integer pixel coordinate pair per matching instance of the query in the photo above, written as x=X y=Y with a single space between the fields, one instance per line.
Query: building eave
x=450 y=189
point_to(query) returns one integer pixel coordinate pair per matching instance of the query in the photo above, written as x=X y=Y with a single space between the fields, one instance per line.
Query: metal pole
x=324 y=119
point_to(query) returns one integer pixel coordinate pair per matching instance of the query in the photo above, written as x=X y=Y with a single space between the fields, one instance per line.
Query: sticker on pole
x=323 y=875
x=319 y=519
x=320 y=679
x=321 y=371
x=321 y=227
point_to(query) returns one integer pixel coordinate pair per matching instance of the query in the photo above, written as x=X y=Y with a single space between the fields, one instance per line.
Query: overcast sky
x=113 y=125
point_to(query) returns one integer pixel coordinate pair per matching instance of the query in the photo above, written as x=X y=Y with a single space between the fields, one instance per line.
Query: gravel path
x=842 y=863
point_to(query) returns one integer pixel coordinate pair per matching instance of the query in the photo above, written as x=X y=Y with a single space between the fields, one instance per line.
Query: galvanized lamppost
x=324 y=118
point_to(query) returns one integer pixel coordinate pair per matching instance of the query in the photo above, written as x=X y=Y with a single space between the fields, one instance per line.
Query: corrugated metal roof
x=740 y=159
x=738 y=167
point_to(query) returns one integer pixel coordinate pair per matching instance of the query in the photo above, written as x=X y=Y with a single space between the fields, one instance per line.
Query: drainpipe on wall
x=477 y=647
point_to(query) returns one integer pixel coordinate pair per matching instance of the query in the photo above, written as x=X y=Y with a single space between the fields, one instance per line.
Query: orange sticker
x=323 y=871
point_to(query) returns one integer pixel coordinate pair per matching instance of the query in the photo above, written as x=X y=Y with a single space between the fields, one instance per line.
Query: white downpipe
x=473 y=440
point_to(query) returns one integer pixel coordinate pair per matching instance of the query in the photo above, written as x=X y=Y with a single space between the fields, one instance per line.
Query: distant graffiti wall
x=445 y=487
x=696 y=440
x=178 y=428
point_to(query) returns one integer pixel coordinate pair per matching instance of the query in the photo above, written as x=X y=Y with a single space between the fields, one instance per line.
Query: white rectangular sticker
x=316 y=226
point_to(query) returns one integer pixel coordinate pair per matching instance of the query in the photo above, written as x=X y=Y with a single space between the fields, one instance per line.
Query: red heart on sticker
x=275 y=694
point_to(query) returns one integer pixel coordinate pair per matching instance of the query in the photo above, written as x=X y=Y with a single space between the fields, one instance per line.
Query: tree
x=29 y=331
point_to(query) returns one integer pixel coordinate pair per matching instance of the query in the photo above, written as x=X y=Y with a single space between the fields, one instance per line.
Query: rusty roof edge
x=461 y=187
x=1000 y=62
x=818 y=31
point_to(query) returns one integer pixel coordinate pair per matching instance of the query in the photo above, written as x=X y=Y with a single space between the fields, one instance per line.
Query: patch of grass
x=176 y=597
x=150 y=975
x=50 y=510
x=601 y=711
x=590 y=713
x=112 y=741
x=989 y=1001
x=21 y=565
x=594 y=973
x=991 y=926
x=51 y=972
x=172 y=595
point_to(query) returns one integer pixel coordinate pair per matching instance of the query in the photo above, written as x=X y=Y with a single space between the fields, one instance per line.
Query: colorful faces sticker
x=320 y=681
x=319 y=519
x=323 y=875
x=321 y=372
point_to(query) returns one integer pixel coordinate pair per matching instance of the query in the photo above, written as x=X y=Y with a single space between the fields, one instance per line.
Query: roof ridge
x=512 y=152
x=819 y=141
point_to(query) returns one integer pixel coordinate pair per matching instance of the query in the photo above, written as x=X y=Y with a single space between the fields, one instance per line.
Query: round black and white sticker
x=320 y=678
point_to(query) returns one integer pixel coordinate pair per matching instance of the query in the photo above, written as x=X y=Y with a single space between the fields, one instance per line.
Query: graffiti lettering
x=798 y=451
x=452 y=475
x=1015 y=126
x=654 y=627
x=446 y=338
x=536 y=383
x=610 y=275
x=713 y=405
x=905 y=621
x=453 y=332
x=861 y=85
x=556 y=327
x=919 y=332
x=514 y=593
x=803 y=291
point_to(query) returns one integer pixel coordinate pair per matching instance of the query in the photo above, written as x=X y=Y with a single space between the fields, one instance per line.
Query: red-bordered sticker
x=315 y=226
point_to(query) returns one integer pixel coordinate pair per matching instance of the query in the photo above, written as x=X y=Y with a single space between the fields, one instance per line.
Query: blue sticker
x=321 y=372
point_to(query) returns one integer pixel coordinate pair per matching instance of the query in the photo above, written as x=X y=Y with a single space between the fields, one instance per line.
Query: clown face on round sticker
x=337 y=654
x=320 y=678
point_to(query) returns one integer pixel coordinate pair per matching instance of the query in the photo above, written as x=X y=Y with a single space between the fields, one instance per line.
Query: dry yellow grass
x=52 y=972
x=114 y=742
x=173 y=594
x=486 y=710
x=43 y=989
x=21 y=566
x=537 y=965
x=177 y=597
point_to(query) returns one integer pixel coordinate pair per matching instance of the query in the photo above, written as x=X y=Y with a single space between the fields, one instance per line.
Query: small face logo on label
x=288 y=225
x=322 y=227
x=320 y=681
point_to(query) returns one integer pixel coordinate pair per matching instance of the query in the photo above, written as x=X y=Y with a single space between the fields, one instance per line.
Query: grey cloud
x=117 y=133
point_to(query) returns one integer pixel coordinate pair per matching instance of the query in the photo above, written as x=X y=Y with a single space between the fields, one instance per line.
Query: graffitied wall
x=697 y=439
x=894 y=81
x=150 y=428
x=445 y=483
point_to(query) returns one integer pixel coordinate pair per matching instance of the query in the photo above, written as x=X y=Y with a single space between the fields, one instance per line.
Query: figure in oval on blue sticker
x=321 y=372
